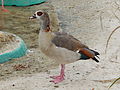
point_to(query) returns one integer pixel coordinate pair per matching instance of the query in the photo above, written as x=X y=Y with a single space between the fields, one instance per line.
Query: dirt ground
x=18 y=22
x=90 y=21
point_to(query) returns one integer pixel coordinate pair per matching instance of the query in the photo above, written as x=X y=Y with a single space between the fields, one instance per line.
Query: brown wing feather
x=67 y=41
x=87 y=52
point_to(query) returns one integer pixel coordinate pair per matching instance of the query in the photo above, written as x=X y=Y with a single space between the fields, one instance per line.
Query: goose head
x=37 y=15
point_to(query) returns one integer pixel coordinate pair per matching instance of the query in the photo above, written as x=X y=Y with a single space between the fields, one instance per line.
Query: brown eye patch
x=39 y=13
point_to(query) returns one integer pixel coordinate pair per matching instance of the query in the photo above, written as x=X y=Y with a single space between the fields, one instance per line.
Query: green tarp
x=21 y=2
x=18 y=52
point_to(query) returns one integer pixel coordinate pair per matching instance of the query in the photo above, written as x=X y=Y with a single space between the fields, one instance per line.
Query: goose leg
x=59 y=78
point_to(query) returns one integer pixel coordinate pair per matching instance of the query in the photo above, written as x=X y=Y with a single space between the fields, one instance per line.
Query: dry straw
x=110 y=37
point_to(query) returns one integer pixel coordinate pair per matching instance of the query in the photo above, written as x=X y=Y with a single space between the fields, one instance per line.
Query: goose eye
x=39 y=13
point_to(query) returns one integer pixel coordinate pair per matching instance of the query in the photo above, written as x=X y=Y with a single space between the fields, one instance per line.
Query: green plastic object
x=20 y=51
x=21 y=2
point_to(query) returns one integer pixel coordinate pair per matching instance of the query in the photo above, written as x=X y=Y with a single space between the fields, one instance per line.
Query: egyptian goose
x=62 y=47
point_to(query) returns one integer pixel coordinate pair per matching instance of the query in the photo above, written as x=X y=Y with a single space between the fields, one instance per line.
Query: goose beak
x=32 y=17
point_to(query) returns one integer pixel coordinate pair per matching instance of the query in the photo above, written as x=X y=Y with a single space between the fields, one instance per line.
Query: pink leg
x=59 y=78
x=3 y=8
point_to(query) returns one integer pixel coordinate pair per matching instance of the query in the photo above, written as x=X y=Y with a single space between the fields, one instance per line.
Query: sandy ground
x=91 y=21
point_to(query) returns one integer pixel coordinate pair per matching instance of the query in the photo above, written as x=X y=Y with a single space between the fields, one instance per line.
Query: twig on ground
x=110 y=37
x=114 y=83
x=116 y=17
x=101 y=21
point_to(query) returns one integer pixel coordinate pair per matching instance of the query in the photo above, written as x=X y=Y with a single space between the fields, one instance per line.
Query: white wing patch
x=78 y=51
x=56 y=47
